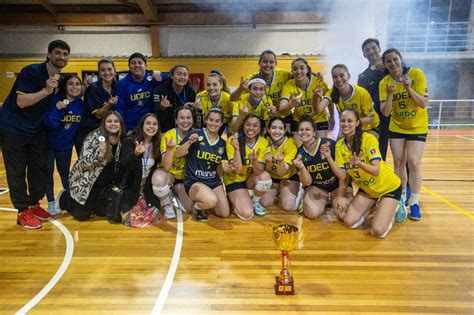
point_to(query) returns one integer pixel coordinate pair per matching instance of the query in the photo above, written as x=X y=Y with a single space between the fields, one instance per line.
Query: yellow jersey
x=374 y=186
x=224 y=103
x=177 y=169
x=260 y=110
x=259 y=146
x=275 y=85
x=361 y=102
x=407 y=117
x=289 y=149
x=305 y=106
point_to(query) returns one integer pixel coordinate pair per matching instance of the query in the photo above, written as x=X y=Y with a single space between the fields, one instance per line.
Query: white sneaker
x=401 y=214
x=51 y=209
x=259 y=209
x=299 y=198
x=169 y=212
x=57 y=208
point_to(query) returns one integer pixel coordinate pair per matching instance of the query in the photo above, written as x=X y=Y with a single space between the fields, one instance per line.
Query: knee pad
x=162 y=191
x=384 y=235
x=241 y=217
x=358 y=223
x=263 y=185
x=299 y=198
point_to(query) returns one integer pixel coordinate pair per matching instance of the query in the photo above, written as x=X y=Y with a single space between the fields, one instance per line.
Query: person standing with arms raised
x=25 y=139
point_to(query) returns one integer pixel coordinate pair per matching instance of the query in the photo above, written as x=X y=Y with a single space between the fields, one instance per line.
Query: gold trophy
x=286 y=238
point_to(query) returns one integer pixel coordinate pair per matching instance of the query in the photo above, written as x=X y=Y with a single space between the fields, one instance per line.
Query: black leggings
x=95 y=204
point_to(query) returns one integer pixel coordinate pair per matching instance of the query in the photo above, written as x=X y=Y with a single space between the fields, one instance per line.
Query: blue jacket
x=135 y=98
x=62 y=124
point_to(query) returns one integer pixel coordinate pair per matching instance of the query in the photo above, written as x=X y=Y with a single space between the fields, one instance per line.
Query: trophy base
x=284 y=289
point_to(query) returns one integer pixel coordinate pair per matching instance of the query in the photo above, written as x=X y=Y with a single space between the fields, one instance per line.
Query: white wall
x=84 y=41
x=174 y=41
x=240 y=40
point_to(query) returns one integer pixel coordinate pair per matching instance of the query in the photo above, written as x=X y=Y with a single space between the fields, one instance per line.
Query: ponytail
x=357 y=145
x=335 y=95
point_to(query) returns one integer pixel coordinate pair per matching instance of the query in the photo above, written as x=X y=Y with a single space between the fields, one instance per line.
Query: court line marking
x=160 y=302
x=435 y=135
x=57 y=276
x=432 y=193
x=465 y=138
x=9 y=209
x=62 y=269
x=448 y=180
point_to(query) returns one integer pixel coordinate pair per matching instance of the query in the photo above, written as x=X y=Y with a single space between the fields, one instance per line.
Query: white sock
x=195 y=205
x=256 y=199
x=358 y=223
x=166 y=200
x=241 y=217
x=414 y=199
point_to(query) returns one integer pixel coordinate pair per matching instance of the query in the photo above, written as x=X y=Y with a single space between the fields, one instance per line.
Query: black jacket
x=132 y=177
x=166 y=116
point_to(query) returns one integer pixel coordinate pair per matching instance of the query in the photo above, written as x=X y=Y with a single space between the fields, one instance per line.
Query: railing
x=432 y=37
x=444 y=114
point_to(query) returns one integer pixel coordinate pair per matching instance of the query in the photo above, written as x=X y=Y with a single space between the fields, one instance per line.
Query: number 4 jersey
x=318 y=167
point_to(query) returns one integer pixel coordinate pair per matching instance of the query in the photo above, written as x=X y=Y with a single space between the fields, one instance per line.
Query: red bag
x=141 y=215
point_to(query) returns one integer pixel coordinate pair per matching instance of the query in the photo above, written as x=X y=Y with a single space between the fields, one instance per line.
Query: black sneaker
x=200 y=216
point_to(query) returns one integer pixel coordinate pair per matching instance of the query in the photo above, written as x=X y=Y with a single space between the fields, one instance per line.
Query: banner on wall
x=197 y=81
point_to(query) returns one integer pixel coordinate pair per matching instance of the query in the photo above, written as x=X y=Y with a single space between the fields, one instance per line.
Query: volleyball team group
x=166 y=148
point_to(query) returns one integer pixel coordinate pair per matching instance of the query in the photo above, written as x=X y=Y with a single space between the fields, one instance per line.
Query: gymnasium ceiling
x=161 y=12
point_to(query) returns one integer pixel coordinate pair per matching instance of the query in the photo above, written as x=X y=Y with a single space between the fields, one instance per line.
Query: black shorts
x=178 y=181
x=376 y=130
x=319 y=126
x=326 y=188
x=394 y=194
x=295 y=178
x=322 y=125
x=409 y=137
x=188 y=185
x=234 y=186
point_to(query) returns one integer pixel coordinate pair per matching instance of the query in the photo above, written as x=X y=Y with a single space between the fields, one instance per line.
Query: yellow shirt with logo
x=259 y=147
x=375 y=186
x=177 y=168
x=289 y=149
x=275 y=86
x=361 y=102
x=260 y=110
x=407 y=117
x=224 y=103
x=305 y=106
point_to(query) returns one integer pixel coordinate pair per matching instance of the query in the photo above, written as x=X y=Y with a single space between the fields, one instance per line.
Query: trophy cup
x=286 y=238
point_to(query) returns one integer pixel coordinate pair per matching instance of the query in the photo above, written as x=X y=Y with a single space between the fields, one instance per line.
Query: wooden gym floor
x=227 y=265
